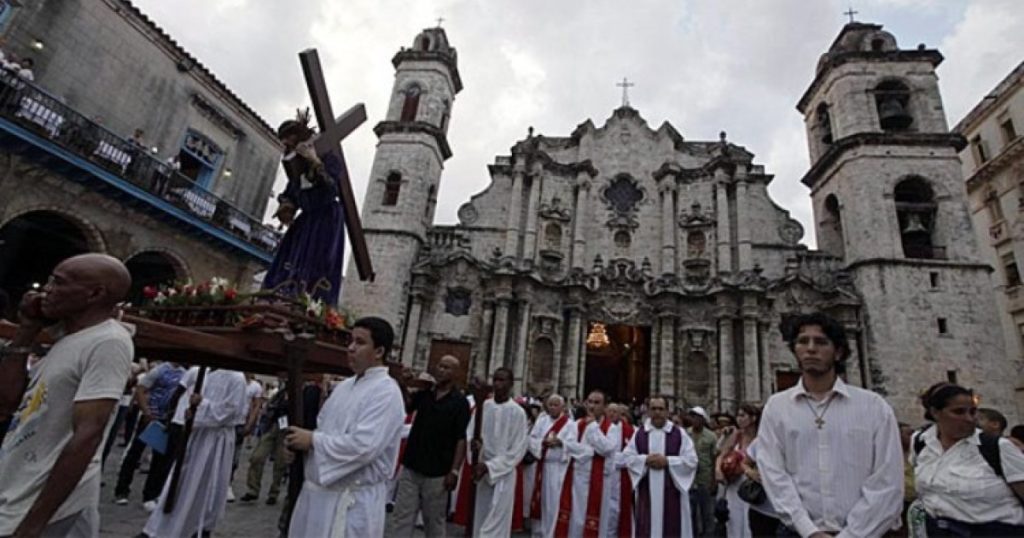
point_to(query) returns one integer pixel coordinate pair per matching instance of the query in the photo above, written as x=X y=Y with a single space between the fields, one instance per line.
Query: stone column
x=530 y=239
x=726 y=370
x=668 y=228
x=579 y=244
x=724 y=231
x=569 y=387
x=743 y=232
x=519 y=362
x=499 y=337
x=514 y=210
x=666 y=366
x=751 y=361
x=412 y=331
x=763 y=327
x=479 y=367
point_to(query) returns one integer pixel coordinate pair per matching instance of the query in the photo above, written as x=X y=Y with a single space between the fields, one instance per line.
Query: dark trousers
x=702 y=511
x=938 y=527
x=129 y=423
x=762 y=525
x=159 y=467
x=122 y=410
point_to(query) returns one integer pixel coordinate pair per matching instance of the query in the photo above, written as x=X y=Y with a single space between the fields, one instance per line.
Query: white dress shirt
x=844 y=477
x=959 y=484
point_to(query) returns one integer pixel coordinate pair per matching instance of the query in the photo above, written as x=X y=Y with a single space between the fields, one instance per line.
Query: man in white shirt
x=550 y=466
x=50 y=458
x=829 y=453
x=352 y=452
x=503 y=433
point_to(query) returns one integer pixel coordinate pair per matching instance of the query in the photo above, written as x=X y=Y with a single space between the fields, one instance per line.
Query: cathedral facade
x=625 y=257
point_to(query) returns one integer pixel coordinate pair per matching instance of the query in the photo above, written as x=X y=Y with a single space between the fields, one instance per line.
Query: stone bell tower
x=402 y=192
x=889 y=200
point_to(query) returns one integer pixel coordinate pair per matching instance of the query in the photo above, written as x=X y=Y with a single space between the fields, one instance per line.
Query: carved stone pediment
x=697 y=218
x=555 y=211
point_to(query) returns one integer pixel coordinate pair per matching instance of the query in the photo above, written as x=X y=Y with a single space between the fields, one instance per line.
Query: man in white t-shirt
x=50 y=459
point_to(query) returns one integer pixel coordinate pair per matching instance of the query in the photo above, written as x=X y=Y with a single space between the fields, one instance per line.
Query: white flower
x=218 y=282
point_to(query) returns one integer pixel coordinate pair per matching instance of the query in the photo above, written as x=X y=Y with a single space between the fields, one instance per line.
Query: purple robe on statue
x=309 y=258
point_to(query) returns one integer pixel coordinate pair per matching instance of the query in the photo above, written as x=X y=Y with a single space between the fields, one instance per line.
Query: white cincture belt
x=348 y=498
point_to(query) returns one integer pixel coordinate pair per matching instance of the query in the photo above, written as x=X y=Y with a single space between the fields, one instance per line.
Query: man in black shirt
x=433 y=454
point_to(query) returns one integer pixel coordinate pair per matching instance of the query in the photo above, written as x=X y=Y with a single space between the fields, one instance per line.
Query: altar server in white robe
x=662 y=463
x=504 y=440
x=352 y=452
x=545 y=446
x=206 y=472
x=590 y=441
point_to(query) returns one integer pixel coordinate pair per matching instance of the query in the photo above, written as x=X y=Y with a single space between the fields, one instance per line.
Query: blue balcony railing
x=35 y=110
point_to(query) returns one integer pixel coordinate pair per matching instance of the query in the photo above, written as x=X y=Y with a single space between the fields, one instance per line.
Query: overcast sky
x=702 y=65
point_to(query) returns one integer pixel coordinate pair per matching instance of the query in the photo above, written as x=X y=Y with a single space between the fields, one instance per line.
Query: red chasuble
x=592 y=521
x=538 y=479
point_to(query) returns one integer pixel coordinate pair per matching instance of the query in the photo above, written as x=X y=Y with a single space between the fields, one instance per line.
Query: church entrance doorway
x=31 y=245
x=618 y=361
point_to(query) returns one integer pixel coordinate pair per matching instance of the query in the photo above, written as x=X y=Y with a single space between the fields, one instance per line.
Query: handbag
x=752 y=492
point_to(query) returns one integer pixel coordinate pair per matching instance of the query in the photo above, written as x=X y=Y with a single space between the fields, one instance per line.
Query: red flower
x=230 y=294
x=149 y=292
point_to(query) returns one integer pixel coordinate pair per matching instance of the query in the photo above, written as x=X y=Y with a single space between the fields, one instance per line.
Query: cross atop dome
x=625 y=85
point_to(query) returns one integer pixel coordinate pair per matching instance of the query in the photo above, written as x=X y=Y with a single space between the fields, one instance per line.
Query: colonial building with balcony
x=993 y=167
x=126 y=144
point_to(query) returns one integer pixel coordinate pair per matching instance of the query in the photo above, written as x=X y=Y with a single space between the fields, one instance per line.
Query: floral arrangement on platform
x=216 y=291
x=218 y=303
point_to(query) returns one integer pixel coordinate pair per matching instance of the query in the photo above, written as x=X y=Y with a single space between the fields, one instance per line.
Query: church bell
x=892 y=113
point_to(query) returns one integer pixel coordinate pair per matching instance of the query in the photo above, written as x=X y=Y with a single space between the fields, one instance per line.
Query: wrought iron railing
x=31 y=107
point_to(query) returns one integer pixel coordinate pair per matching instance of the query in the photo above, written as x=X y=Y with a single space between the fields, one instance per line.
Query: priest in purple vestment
x=309 y=258
x=662 y=462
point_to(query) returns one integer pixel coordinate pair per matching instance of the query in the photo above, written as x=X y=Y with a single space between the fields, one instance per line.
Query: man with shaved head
x=433 y=454
x=50 y=459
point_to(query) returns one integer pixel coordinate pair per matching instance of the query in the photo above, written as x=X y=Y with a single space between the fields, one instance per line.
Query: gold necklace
x=819 y=418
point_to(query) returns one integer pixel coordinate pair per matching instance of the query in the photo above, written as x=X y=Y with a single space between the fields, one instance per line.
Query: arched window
x=32 y=244
x=430 y=202
x=823 y=123
x=392 y=186
x=423 y=43
x=832 y=227
x=698 y=377
x=542 y=363
x=915 y=211
x=446 y=113
x=412 y=103
x=553 y=236
x=892 y=99
x=696 y=244
x=622 y=239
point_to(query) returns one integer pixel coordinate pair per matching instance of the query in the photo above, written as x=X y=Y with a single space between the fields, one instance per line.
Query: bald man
x=433 y=454
x=50 y=459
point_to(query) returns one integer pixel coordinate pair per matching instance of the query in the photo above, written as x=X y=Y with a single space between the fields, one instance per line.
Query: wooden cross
x=625 y=85
x=850 y=13
x=332 y=131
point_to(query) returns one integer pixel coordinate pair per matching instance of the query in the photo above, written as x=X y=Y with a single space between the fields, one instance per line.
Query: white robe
x=554 y=475
x=682 y=469
x=206 y=473
x=504 y=435
x=582 y=452
x=353 y=456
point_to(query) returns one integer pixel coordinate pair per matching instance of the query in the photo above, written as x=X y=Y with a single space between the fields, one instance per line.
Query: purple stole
x=671 y=527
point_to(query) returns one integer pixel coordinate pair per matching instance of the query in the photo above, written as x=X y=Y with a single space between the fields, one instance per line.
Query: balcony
x=37 y=124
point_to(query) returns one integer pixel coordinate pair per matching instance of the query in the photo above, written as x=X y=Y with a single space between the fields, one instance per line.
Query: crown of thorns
x=299 y=125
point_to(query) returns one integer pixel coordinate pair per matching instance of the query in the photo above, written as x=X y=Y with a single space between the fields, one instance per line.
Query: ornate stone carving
x=468 y=214
x=697 y=217
x=623 y=194
x=791 y=232
x=555 y=211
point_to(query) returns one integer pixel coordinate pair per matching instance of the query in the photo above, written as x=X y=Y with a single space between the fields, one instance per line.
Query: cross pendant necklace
x=819 y=418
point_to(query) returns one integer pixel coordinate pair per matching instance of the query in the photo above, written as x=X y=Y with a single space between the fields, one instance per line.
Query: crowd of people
x=384 y=452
